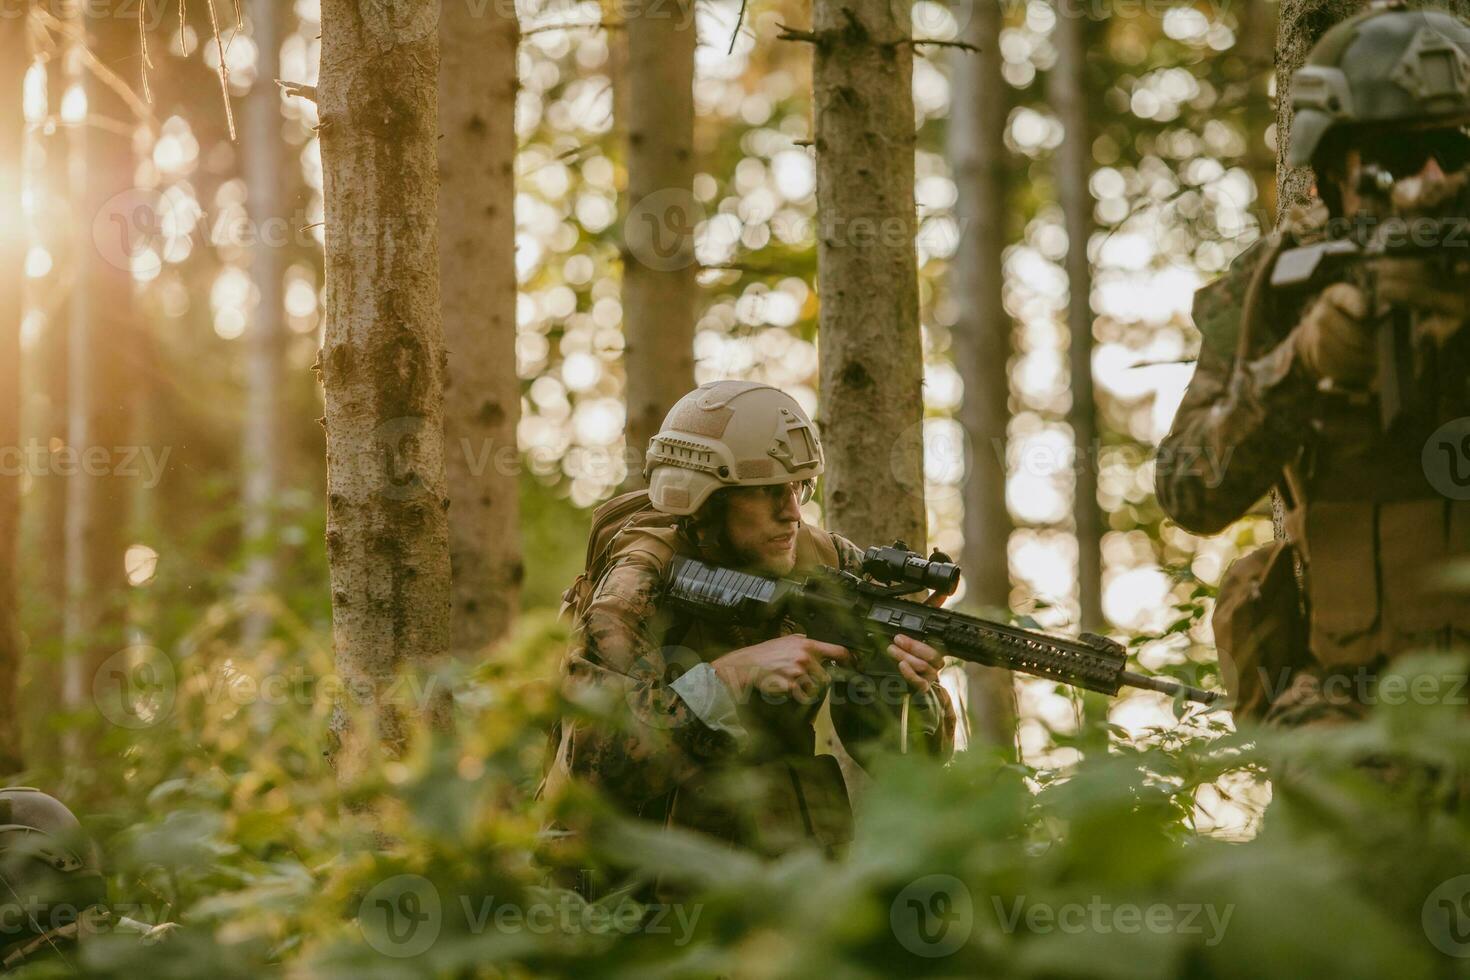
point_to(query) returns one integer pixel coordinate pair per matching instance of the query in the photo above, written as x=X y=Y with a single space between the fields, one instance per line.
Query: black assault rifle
x=838 y=607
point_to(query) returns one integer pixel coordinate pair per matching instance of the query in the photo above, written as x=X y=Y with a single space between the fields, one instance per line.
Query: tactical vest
x=1369 y=529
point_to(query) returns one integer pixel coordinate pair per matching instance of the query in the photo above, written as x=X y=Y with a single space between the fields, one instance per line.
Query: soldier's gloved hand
x=1332 y=341
x=790 y=665
x=918 y=662
x=1421 y=285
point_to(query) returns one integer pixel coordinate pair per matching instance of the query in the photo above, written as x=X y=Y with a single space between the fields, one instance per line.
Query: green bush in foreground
x=222 y=817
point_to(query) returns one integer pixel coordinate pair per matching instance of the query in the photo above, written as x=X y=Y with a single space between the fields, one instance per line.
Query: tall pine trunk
x=659 y=289
x=102 y=369
x=871 y=401
x=482 y=400
x=266 y=341
x=1068 y=92
x=382 y=368
x=980 y=105
x=14 y=58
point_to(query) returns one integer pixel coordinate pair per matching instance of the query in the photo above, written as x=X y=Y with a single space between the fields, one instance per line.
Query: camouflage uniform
x=1349 y=587
x=648 y=750
x=1361 y=516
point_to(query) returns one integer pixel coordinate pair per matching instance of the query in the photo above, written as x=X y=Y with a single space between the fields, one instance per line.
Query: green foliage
x=223 y=818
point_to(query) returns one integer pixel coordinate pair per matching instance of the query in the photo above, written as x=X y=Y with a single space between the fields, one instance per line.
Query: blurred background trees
x=548 y=306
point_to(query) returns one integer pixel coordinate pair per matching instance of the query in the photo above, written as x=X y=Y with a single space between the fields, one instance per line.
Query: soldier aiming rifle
x=1332 y=353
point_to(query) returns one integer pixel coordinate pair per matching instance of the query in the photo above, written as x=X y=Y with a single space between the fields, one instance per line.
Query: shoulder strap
x=608 y=521
x=814 y=546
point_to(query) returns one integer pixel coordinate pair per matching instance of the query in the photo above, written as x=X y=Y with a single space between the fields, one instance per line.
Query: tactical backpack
x=621 y=512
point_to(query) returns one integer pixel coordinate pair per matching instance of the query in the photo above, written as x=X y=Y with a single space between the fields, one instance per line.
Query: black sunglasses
x=1404 y=154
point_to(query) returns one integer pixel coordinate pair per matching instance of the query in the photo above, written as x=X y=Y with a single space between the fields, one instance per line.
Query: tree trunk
x=982 y=343
x=872 y=404
x=101 y=369
x=1068 y=92
x=382 y=368
x=266 y=342
x=482 y=401
x=14 y=59
x=659 y=288
x=1301 y=23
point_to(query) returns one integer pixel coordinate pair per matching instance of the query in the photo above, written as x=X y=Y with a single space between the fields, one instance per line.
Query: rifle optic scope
x=897 y=564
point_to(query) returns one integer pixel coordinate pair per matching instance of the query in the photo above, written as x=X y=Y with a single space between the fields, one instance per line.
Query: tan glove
x=1332 y=341
x=1444 y=297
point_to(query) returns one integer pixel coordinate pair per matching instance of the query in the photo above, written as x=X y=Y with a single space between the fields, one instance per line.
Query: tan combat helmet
x=729 y=434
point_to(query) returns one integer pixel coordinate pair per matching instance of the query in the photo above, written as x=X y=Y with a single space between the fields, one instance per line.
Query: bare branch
x=792 y=34
x=935 y=42
x=591 y=25
x=739 y=19
x=298 y=89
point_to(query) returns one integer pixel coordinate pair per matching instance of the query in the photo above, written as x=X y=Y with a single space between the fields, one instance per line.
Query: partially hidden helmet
x=1388 y=66
x=50 y=871
x=729 y=434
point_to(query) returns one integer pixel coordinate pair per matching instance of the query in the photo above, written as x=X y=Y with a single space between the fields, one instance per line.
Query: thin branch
x=224 y=71
x=587 y=25
x=104 y=74
x=739 y=19
x=962 y=45
x=792 y=34
x=744 y=267
x=299 y=89
x=147 y=61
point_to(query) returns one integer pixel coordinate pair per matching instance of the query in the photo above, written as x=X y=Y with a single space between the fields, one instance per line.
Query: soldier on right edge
x=1300 y=346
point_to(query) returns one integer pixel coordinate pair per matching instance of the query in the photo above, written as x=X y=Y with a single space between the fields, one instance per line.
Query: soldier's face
x=761 y=523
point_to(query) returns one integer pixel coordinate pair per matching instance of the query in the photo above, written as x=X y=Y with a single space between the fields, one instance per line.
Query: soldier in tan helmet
x=707 y=727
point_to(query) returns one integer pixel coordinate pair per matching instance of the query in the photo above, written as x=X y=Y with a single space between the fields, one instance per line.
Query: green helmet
x=50 y=872
x=729 y=434
x=1388 y=66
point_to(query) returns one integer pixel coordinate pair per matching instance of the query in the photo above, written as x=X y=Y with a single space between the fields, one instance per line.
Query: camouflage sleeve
x=932 y=717
x=1239 y=423
x=636 y=739
x=849 y=555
